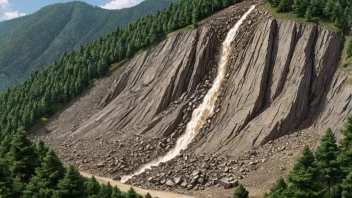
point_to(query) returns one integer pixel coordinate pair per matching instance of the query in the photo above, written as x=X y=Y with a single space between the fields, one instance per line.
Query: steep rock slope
x=150 y=83
x=277 y=83
x=281 y=78
x=147 y=96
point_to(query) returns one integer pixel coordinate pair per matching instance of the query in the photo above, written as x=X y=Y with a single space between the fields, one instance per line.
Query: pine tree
x=116 y=193
x=47 y=176
x=71 y=186
x=131 y=193
x=329 y=7
x=309 y=14
x=105 y=191
x=241 y=192
x=92 y=186
x=41 y=150
x=304 y=177
x=347 y=187
x=300 y=7
x=284 y=6
x=5 y=181
x=278 y=189
x=148 y=195
x=22 y=161
x=326 y=157
x=5 y=146
x=195 y=16
x=345 y=155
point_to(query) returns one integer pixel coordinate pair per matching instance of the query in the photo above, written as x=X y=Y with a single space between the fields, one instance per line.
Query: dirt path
x=125 y=188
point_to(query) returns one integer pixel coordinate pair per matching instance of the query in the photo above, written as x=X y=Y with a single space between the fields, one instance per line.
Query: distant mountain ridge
x=31 y=42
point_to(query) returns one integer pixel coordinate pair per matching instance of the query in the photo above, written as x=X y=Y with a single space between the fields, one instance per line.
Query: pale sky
x=10 y=9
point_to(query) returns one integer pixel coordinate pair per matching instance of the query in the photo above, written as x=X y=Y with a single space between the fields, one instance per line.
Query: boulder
x=116 y=178
x=225 y=183
x=100 y=165
x=184 y=184
x=178 y=180
x=170 y=183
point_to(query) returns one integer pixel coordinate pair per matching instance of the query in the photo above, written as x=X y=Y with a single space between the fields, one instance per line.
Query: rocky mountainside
x=283 y=78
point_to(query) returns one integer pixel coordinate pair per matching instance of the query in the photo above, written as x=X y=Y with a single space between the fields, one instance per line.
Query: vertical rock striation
x=139 y=100
x=278 y=82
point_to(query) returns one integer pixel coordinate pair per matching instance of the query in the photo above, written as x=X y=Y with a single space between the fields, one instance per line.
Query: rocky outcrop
x=278 y=81
x=140 y=100
x=283 y=77
x=137 y=113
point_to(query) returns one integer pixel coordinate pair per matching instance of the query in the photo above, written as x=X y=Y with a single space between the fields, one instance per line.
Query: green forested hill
x=32 y=42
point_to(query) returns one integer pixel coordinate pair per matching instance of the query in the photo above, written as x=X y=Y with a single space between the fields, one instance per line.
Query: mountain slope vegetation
x=32 y=42
x=68 y=77
x=28 y=170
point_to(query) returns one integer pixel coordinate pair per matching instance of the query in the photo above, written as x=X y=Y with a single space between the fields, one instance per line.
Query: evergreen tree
x=131 y=193
x=5 y=181
x=241 y=192
x=278 y=189
x=71 y=186
x=105 y=191
x=326 y=157
x=22 y=161
x=345 y=155
x=329 y=8
x=92 y=186
x=43 y=184
x=300 y=7
x=304 y=177
x=195 y=16
x=5 y=146
x=41 y=150
x=116 y=193
x=284 y=6
x=148 y=195
x=347 y=187
x=309 y=14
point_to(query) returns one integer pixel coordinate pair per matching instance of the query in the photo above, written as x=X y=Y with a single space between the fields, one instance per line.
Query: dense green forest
x=34 y=171
x=338 y=12
x=34 y=41
x=68 y=77
x=326 y=172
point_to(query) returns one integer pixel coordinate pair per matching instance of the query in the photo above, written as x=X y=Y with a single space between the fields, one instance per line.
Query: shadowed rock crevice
x=279 y=80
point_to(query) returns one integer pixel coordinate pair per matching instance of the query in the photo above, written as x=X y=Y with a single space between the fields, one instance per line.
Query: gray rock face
x=278 y=81
x=139 y=99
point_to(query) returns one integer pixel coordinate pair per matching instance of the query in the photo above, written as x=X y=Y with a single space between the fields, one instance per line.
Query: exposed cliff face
x=138 y=100
x=278 y=82
x=283 y=77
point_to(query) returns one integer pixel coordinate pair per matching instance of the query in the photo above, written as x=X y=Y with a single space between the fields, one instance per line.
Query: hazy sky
x=10 y=9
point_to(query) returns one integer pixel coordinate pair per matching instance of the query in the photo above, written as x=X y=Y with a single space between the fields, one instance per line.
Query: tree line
x=37 y=40
x=34 y=171
x=338 y=12
x=67 y=78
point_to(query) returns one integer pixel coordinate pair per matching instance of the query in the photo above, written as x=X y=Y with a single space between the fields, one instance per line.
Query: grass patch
x=293 y=17
x=171 y=34
x=346 y=63
x=114 y=66
x=38 y=125
x=349 y=81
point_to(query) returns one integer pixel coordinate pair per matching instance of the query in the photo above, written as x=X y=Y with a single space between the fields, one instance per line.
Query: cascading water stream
x=201 y=114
